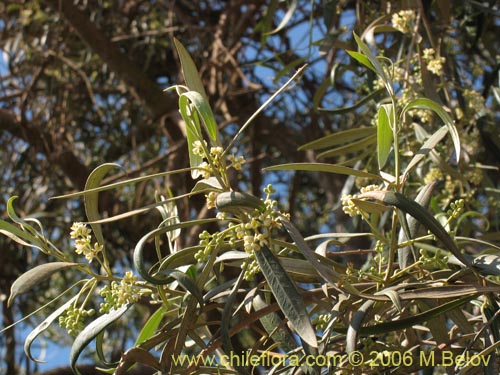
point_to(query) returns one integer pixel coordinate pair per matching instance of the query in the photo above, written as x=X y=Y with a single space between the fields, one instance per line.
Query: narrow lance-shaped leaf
x=286 y=18
x=201 y=105
x=149 y=329
x=421 y=215
x=328 y=274
x=323 y=167
x=90 y=332
x=362 y=59
x=427 y=147
x=34 y=277
x=42 y=327
x=404 y=254
x=189 y=70
x=377 y=66
x=366 y=99
x=91 y=200
x=424 y=103
x=193 y=134
x=338 y=138
x=384 y=134
x=286 y=294
x=360 y=145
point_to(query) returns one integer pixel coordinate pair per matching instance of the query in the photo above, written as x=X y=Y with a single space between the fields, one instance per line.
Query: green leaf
x=91 y=200
x=182 y=278
x=90 y=332
x=421 y=215
x=338 y=138
x=322 y=167
x=427 y=147
x=193 y=133
x=362 y=144
x=42 y=327
x=377 y=67
x=21 y=237
x=121 y=183
x=384 y=134
x=203 y=108
x=149 y=329
x=210 y=184
x=34 y=277
x=424 y=103
x=362 y=59
x=189 y=70
x=274 y=326
x=329 y=274
x=286 y=294
x=162 y=277
x=366 y=99
x=138 y=355
x=404 y=254
x=286 y=18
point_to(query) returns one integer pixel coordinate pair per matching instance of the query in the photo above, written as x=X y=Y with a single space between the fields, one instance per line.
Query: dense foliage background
x=82 y=85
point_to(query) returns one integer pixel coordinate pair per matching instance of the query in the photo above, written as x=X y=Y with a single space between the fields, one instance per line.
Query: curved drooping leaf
x=286 y=294
x=21 y=237
x=322 y=167
x=90 y=332
x=25 y=223
x=137 y=355
x=163 y=276
x=421 y=215
x=35 y=276
x=91 y=200
x=42 y=327
x=288 y=15
x=424 y=103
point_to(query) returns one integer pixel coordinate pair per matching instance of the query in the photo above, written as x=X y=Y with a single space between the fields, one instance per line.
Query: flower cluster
x=434 y=63
x=434 y=174
x=255 y=232
x=205 y=241
x=320 y=322
x=404 y=21
x=213 y=159
x=348 y=205
x=83 y=246
x=120 y=293
x=475 y=101
x=72 y=319
x=236 y=161
x=252 y=268
x=456 y=208
x=438 y=260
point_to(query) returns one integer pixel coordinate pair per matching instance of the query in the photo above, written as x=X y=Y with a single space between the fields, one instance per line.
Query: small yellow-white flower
x=83 y=246
x=434 y=63
x=404 y=21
